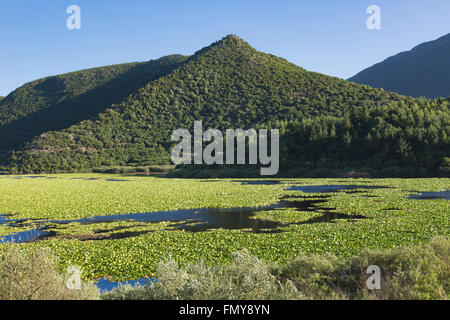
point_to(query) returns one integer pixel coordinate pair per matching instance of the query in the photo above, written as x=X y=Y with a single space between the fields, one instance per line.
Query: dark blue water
x=432 y=195
x=4 y=219
x=105 y=285
x=194 y=220
x=258 y=182
x=91 y=179
x=329 y=188
x=200 y=219
x=24 y=236
x=203 y=219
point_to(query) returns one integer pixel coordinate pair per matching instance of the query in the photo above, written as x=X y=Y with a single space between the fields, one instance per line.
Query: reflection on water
x=201 y=219
x=25 y=236
x=193 y=220
x=432 y=195
x=258 y=182
x=45 y=177
x=196 y=220
x=329 y=188
x=4 y=219
x=204 y=219
x=26 y=177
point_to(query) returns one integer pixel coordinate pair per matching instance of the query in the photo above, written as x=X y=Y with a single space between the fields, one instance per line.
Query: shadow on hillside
x=86 y=106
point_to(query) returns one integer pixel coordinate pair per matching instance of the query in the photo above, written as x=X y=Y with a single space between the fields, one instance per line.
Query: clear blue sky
x=326 y=36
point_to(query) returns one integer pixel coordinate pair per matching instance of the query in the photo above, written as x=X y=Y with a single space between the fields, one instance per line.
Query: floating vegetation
x=120 y=231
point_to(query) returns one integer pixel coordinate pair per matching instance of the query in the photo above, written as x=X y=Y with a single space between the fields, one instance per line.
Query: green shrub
x=421 y=272
x=406 y=273
x=246 y=277
x=30 y=274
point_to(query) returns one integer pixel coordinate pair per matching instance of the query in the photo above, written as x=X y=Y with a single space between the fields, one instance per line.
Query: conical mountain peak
x=230 y=41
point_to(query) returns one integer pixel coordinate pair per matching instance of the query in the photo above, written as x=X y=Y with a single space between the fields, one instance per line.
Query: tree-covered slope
x=57 y=102
x=229 y=84
x=423 y=71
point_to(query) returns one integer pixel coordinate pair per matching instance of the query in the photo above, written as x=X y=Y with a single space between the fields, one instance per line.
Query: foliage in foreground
x=420 y=272
x=30 y=274
x=407 y=273
x=246 y=277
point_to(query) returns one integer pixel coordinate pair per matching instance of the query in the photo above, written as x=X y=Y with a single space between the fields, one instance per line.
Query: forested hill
x=57 y=102
x=423 y=71
x=325 y=122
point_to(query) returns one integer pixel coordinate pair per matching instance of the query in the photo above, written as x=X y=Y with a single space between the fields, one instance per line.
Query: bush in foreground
x=246 y=277
x=30 y=274
x=420 y=272
x=406 y=273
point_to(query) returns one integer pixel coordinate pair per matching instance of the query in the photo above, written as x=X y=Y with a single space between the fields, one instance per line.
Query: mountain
x=125 y=114
x=423 y=71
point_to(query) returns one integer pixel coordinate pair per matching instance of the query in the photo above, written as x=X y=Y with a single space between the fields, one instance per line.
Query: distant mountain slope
x=423 y=71
x=324 y=121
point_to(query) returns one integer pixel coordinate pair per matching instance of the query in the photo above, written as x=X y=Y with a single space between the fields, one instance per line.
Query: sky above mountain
x=326 y=36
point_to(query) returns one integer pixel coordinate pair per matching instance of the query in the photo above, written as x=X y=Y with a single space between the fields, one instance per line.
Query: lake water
x=329 y=188
x=204 y=219
x=105 y=285
x=431 y=195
